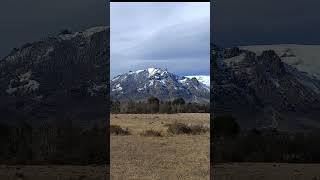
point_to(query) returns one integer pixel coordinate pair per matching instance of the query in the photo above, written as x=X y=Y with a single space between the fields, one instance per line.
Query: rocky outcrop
x=57 y=77
x=262 y=91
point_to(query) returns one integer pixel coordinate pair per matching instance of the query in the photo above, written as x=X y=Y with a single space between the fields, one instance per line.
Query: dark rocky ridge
x=59 y=77
x=261 y=91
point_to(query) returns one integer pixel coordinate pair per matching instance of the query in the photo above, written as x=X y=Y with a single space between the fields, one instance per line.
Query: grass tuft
x=152 y=133
x=180 y=128
x=117 y=130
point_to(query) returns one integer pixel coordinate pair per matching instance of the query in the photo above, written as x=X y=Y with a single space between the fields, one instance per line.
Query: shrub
x=117 y=130
x=151 y=132
x=180 y=128
x=198 y=129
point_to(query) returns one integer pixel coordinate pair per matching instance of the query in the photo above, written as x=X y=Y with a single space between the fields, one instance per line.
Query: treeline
x=63 y=142
x=154 y=105
x=231 y=144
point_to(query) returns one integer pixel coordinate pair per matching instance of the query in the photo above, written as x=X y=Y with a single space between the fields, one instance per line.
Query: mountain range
x=66 y=76
x=268 y=86
x=57 y=77
x=141 y=84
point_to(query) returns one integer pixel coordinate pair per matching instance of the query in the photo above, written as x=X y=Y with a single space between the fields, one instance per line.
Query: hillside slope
x=275 y=86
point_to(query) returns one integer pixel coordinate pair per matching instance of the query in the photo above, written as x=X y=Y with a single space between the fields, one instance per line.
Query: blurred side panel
x=54 y=89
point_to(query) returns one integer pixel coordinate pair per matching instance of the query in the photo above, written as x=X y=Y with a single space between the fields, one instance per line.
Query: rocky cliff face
x=263 y=91
x=65 y=76
x=142 y=84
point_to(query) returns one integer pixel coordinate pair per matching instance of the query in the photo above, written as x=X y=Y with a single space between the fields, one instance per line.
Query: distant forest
x=154 y=105
x=57 y=142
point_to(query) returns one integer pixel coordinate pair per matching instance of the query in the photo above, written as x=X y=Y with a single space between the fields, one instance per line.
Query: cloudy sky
x=171 y=35
x=249 y=22
x=31 y=20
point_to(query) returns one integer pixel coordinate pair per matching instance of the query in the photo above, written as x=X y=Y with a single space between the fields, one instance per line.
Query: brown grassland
x=168 y=156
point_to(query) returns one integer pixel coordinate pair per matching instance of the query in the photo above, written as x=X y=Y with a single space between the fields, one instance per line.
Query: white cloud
x=173 y=35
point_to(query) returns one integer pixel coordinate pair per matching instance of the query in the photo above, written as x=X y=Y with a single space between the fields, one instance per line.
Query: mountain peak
x=141 y=84
x=151 y=71
x=67 y=35
x=252 y=79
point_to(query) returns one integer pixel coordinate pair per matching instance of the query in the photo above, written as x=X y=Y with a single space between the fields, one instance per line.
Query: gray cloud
x=265 y=22
x=27 y=21
x=168 y=35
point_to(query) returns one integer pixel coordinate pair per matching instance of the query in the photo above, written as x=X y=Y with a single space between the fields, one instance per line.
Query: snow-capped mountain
x=201 y=78
x=141 y=84
x=274 y=86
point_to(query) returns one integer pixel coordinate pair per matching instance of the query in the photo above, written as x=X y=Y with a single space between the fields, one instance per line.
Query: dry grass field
x=168 y=156
x=266 y=171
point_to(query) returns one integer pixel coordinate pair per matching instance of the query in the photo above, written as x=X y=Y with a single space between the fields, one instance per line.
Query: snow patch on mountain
x=117 y=88
x=23 y=84
x=306 y=58
x=91 y=31
x=205 y=79
x=86 y=34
